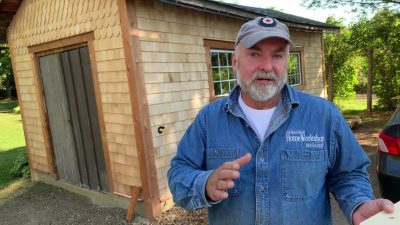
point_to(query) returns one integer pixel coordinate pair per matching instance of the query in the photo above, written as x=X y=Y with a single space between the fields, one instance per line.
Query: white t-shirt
x=259 y=119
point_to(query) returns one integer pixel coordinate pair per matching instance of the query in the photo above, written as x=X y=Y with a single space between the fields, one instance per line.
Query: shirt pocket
x=218 y=156
x=303 y=173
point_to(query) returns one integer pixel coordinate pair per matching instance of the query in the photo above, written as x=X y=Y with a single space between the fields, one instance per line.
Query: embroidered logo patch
x=310 y=141
x=267 y=22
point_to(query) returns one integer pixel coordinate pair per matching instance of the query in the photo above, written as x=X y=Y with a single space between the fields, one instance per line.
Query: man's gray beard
x=261 y=93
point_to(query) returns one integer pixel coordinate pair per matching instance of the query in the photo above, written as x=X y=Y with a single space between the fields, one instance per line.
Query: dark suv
x=388 y=167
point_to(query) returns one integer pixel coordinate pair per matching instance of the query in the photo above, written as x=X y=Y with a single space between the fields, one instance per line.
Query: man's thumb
x=244 y=159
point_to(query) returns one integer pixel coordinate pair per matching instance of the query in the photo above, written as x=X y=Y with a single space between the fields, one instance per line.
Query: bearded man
x=267 y=153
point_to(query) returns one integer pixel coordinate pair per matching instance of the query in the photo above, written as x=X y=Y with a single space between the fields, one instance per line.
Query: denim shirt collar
x=288 y=101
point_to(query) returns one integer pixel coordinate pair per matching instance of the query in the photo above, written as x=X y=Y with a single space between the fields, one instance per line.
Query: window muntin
x=222 y=73
x=294 y=69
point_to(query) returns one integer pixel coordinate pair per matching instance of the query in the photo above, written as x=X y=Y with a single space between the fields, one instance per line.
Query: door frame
x=86 y=39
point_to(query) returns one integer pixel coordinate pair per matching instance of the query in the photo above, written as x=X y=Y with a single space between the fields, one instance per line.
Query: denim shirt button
x=261 y=189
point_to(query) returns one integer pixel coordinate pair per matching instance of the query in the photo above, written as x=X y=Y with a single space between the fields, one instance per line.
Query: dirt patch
x=367 y=132
x=40 y=203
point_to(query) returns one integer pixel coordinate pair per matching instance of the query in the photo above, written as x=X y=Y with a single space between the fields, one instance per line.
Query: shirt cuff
x=202 y=186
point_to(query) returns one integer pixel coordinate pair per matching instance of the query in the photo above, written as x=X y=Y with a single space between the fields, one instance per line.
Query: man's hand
x=370 y=208
x=222 y=178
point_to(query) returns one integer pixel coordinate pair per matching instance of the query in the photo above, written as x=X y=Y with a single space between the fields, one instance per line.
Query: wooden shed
x=108 y=87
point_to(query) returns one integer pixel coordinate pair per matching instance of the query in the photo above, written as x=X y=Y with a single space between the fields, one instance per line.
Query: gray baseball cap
x=261 y=28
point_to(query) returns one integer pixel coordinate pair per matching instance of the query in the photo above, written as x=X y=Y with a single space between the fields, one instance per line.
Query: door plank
x=84 y=118
x=59 y=118
x=94 y=119
x=73 y=108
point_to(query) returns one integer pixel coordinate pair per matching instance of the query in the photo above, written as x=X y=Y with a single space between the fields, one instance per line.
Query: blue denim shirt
x=307 y=152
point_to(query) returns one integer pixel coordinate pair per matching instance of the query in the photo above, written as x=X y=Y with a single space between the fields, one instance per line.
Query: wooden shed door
x=72 y=113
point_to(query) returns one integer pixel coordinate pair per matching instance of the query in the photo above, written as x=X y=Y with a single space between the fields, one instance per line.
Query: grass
x=12 y=142
x=354 y=106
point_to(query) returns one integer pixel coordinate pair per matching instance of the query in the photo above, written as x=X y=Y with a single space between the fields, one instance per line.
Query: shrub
x=21 y=166
x=17 y=110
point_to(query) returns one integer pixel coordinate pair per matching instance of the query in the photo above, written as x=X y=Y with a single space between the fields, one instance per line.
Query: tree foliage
x=350 y=47
x=382 y=35
x=361 y=6
x=7 y=84
x=386 y=30
x=337 y=46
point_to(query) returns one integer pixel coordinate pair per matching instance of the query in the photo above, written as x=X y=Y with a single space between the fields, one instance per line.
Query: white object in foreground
x=383 y=218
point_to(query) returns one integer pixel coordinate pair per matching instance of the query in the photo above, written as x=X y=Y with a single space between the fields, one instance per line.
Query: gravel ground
x=41 y=203
x=38 y=203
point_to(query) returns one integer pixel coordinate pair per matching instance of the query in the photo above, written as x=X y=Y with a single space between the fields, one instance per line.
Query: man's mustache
x=264 y=75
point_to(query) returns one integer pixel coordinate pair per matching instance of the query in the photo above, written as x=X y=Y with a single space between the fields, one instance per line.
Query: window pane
x=215 y=72
x=214 y=59
x=294 y=72
x=223 y=59
x=225 y=88
x=231 y=74
x=292 y=67
x=291 y=80
x=230 y=59
x=217 y=88
x=231 y=85
x=224 y=74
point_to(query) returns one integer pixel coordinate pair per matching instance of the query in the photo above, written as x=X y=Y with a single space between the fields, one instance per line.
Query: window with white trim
x=294 y=69
x=222 y=73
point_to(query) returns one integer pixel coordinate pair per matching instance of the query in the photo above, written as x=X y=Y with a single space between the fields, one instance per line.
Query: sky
x=294 y=7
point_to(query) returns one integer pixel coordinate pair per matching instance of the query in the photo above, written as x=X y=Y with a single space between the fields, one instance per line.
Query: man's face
x=262 y=69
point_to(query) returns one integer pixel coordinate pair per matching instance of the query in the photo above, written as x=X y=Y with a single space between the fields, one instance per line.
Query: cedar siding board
x=150 y=68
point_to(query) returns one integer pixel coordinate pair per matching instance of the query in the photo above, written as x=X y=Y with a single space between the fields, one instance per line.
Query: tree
x=338 y=54
x=363 y=39
x=386 y=30
x=7 y=84
x=378 y=40
x=357 y=6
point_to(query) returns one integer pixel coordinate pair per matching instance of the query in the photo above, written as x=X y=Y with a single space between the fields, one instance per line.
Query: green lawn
x=354 y=106
x=12 y=142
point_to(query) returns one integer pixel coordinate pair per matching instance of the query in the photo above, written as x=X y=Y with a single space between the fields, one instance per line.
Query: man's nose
x=266 y=65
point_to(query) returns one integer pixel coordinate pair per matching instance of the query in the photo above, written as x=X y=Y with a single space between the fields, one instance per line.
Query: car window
x=395 y=119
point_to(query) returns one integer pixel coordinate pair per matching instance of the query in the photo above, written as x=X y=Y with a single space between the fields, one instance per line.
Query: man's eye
x=254 y=54
x=278 y=56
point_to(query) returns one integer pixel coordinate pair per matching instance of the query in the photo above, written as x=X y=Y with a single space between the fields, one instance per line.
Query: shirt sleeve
x=347 y=178
x=187 y=176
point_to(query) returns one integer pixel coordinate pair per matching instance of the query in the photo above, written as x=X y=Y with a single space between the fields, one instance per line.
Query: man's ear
x=234 y=62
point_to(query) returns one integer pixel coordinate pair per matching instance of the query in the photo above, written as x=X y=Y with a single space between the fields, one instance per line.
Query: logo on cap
x=267 y=22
